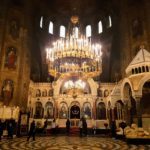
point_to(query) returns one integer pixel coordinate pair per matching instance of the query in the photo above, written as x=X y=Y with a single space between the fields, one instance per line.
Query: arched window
x=41 y=22
x=136 y=70
x=101 y=111
x=100 y=27
x=75 y=32
x=139 y=69
x=132 y=71
x=109 y=22
x=88 y=31
x=50 y=27
x=62 y=31
x=143 y=68
x=147 y=70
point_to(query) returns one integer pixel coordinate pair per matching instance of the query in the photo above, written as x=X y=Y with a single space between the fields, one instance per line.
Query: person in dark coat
x=32 y=131
x=84 y=127
x=54 y=131
x=113 y=129
x=68 y=126
x=1 y=129
x=45 y=126
x=81 y=126
x=10 y=130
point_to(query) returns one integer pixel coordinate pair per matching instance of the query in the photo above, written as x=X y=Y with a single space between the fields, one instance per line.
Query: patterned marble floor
x=68 y=143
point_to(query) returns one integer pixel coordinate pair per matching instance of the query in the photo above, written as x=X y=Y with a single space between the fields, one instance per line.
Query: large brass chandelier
x=74 y=55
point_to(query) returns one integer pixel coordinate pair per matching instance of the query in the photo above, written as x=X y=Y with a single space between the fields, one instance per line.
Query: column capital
x=137 y=97
x=125 y=102
x=112 y=107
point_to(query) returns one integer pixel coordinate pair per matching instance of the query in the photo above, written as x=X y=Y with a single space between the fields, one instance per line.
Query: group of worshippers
x=9 y=127
x=33 y=129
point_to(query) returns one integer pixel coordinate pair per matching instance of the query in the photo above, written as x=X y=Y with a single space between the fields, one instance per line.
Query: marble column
x=94 y=110
x=139 y=111
x=127 y=116
x=56 y=109
x=125 y=112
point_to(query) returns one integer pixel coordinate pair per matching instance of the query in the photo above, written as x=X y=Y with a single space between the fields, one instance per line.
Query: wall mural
x=87 y=110
x=7 y=91
x=14 y=28
x=38 y=110
x=63 y=113
x=101 y=111
x=49 y=110
x=11 y=58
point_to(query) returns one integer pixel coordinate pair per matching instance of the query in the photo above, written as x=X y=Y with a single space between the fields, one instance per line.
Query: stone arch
x=57 y=86
x=145 y=105
x=126 y=84
x=75 y=110
x=142 y=82
x=75 y=103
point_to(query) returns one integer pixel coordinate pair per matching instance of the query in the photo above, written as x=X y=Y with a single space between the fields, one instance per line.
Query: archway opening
x=101 y=111
x=118 y=110
x=130 y=104
x=75 y=112
x=38 y=110
x=145 y=105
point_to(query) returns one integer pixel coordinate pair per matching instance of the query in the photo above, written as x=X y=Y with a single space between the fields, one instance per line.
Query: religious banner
x=7 y=91
x=11 y=58
x=14 y=28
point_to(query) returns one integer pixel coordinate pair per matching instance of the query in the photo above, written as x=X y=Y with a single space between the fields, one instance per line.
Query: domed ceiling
x=83 y=8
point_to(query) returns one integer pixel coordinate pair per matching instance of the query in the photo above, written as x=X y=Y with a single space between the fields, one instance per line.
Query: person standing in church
x=68 y=126
x=32 y=131
x=84 y=126
x=54 y=127
x=10 y=130
x=1 y=130
x=45 y=126
x=113 y=129
x=81 y=126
